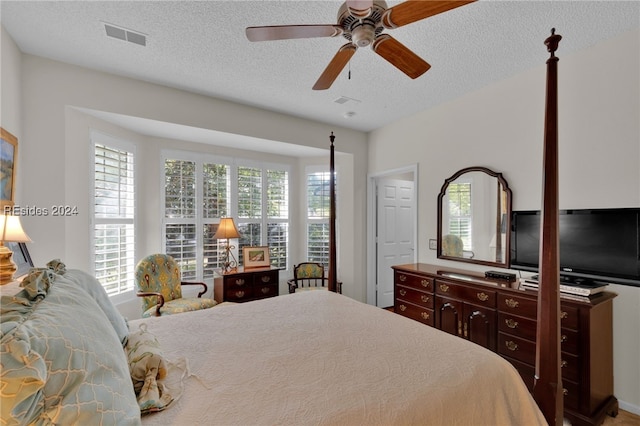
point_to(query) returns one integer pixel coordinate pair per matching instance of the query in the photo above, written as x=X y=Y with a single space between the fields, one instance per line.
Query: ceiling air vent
x=125 y=34
x=344 y=99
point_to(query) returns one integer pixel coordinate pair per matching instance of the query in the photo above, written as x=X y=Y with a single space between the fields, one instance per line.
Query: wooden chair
x=158 y=282
x=310 y=276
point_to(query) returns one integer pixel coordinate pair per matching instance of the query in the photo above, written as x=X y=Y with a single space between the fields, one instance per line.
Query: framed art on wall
x=8 y=157
x=256 y=257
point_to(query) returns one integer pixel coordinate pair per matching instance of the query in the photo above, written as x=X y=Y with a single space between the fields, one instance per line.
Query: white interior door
x=394 y=233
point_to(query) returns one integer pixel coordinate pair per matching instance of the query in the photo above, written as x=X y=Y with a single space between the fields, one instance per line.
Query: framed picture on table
x=256 y=257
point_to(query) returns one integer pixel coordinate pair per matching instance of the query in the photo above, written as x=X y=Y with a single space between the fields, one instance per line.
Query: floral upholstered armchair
x=453 y=246
x=158 y=282
x=310 y=276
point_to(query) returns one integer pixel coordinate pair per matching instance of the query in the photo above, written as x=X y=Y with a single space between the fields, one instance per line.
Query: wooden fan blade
x=286 y=32
x=415 y=10
x=335 y=66
x=400 y=56
x=360 y=8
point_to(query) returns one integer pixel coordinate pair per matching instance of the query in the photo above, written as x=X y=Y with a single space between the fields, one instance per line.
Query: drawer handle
x=444 y=288
x=425 y=283
x=483 y=297
x=563 y=338
x=565 y=391
x=402 y=278
x=264 y=290
x=424 y=315
x=403 y=292
x=424 y=298
x=512 y=303
x=563 y=363
x=402 y=308
x=511 y=345
x=239 y=281
x=564 y=315
x=266 y=279
x=511 y=323
x=240 y=293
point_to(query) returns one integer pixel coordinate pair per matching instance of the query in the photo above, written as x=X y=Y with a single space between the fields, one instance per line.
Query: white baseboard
x=629 y=407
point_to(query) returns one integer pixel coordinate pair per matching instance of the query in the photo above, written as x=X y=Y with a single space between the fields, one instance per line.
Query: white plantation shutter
x=460 y=223
x=113 y=214
x=318 y=209
x=278 y=216
x=198 y=192
x=181 y=208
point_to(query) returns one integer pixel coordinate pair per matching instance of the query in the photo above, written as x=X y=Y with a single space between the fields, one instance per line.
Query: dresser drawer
x=517 y=326
x=569 y=317
x=570 y=367
x=267 y=277
x=265 y=290
x=238 y=281
x=517 y=348
x=521 y=306
x=415 y=312
x=415 y=281
x=569 y=341
x=414 y=296
x=570 y=391
x=476 y=296
x=236 y=294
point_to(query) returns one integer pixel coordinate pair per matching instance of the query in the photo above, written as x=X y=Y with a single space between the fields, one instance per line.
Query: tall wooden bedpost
x=547 y=388
x=333 y=280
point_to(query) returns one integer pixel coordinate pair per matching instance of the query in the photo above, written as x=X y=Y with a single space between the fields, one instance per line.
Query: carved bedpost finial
x=552 y=42
x=332 y=138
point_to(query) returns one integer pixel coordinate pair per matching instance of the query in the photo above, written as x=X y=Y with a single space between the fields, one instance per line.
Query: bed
x=321 y=358
x=315 y=357
x=309 y=358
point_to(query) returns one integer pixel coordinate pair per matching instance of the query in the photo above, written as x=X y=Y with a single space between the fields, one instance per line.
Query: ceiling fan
x=362 y=22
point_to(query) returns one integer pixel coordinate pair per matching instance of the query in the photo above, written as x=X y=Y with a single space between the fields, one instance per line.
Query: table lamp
x=226 y=230
x=10 y=231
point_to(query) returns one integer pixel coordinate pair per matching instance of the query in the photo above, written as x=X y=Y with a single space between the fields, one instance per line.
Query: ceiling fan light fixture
x=363 y=35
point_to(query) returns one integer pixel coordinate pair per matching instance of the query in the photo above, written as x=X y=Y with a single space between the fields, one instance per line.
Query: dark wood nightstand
x=246 y=284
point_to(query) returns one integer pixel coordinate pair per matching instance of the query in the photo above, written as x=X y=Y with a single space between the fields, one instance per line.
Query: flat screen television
x=600 y=245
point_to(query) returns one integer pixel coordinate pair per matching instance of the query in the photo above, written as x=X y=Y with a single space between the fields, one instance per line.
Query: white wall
x=501 y=127
x=11 y=101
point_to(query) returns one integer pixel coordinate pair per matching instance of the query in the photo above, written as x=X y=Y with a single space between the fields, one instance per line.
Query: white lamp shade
x=12 y=229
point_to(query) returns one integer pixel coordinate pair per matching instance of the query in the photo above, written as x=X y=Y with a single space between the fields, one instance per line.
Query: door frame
x=372 y=212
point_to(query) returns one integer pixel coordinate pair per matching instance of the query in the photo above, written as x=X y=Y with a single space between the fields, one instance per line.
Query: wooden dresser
x=246 y=284
x=501 y=317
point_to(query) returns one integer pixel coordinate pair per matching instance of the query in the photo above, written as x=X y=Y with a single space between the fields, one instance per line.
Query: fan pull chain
x=349 y=76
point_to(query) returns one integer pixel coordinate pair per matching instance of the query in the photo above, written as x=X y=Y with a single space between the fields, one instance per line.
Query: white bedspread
x=322 y=358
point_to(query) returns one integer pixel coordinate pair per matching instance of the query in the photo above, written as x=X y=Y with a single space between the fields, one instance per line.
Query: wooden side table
x=246 y=284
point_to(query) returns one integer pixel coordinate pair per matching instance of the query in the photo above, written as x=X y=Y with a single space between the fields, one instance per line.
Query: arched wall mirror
x=474 y=215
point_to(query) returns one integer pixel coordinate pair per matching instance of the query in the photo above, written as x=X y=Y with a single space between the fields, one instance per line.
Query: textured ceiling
x=201 y=47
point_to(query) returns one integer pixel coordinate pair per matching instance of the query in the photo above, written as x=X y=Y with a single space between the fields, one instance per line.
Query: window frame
x=325 y=220
x=100 y=138
x=232 y=201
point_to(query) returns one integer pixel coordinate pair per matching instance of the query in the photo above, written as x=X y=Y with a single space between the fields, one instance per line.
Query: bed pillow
x=95 y=289
x=62 y=361
x=148 y=368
